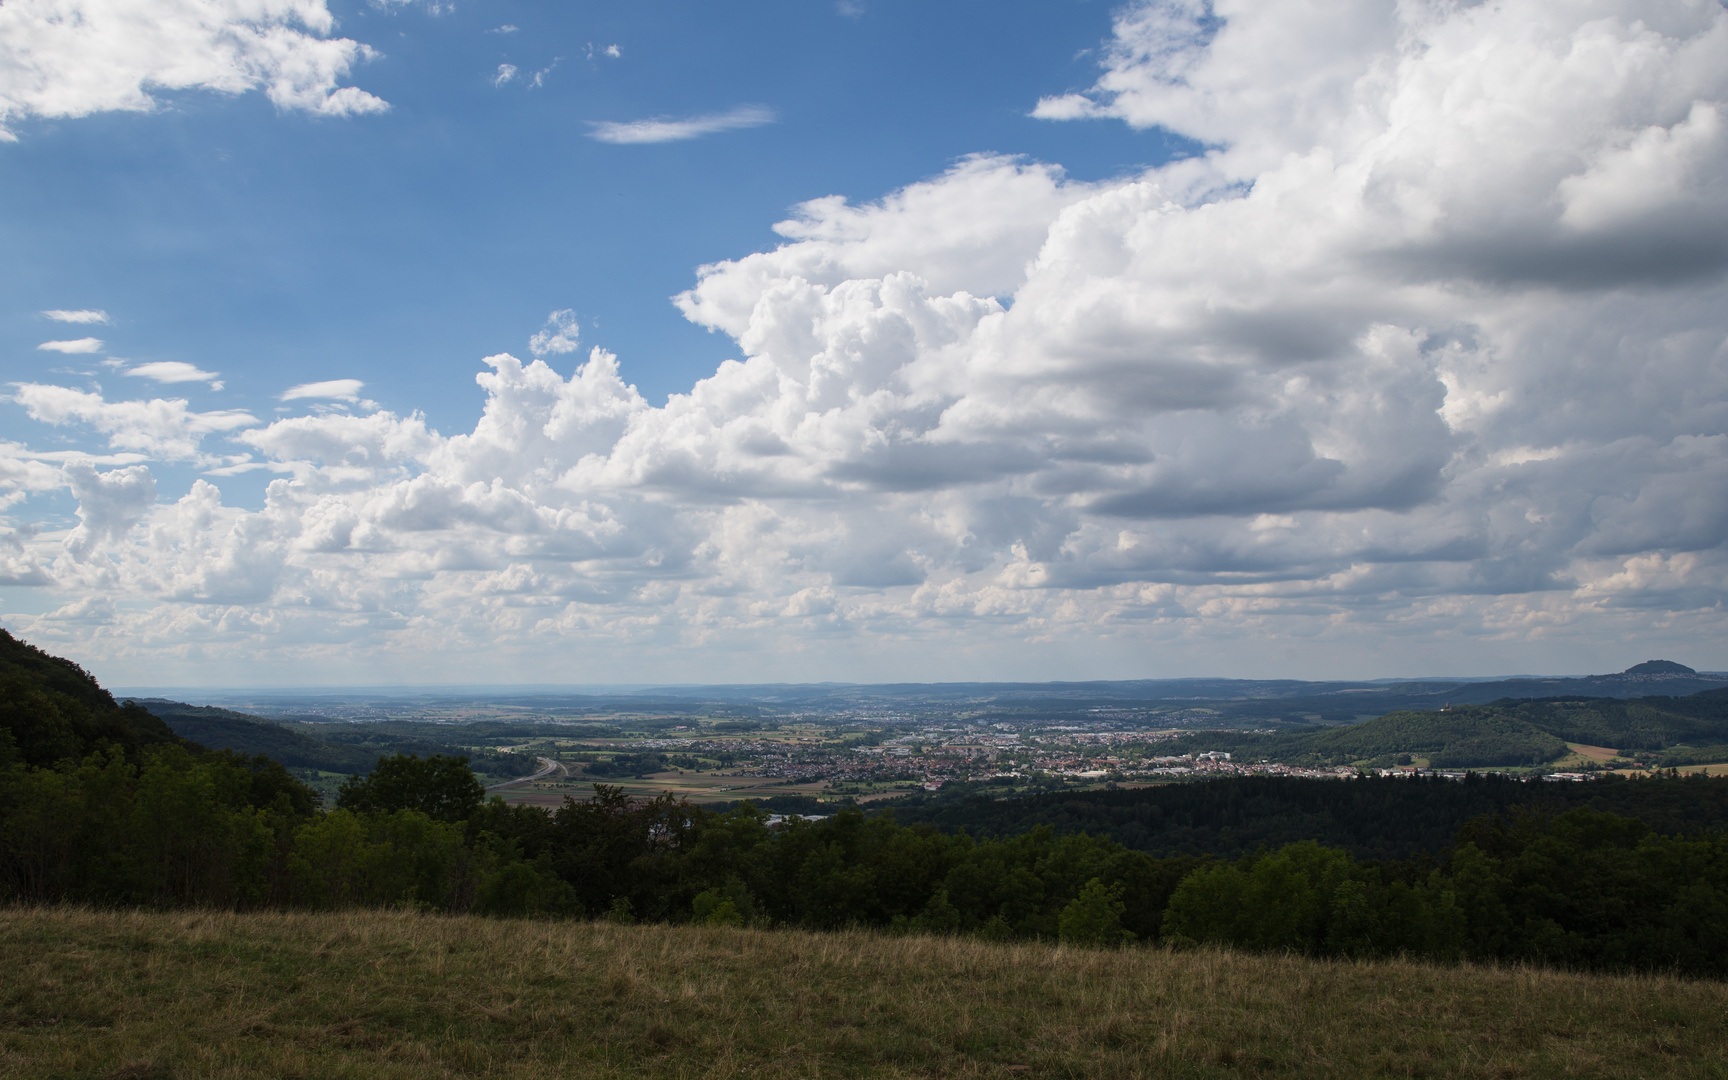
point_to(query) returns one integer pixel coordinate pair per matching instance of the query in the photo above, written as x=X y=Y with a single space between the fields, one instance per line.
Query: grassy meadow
x=370 y=994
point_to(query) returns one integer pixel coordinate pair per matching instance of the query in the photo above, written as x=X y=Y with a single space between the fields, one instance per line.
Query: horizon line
x=590 y=689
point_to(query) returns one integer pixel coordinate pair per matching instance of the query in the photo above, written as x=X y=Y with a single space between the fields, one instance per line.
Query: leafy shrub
x=1095 y=917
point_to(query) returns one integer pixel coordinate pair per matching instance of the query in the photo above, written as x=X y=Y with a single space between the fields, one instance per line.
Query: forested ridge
x=1504 y=733
x=51 y=708
x=97 y=806
x=328 y=747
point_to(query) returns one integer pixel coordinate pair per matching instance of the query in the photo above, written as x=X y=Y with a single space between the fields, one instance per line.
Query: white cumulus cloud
x=70 y=58
x=175 y=371
x=166 y=429
x=77 y=345
x=1423 y=356
x=660 y=129
x=109 y=505
x=335 y=389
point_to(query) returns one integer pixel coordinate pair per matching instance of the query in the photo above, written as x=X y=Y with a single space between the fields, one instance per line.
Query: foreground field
x=94 y=994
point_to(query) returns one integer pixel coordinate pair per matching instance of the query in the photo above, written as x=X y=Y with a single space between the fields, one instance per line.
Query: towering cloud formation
x=1433 y=338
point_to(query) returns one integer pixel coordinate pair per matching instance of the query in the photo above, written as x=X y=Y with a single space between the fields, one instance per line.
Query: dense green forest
x=1504 y=733
x=102 y=804
x=1582 y=888
x=51 y=708
x=1391 y=817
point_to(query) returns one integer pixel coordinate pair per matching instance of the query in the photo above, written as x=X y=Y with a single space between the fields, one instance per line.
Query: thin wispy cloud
x=176 y=371
x=79 y=315
x=338 y=389
x=660 y=130
x=506 y=72
x=538 y=79
x=77 y=345
x=505 y=29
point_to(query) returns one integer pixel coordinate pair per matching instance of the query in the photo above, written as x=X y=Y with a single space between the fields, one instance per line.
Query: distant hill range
x=1338 y=700
x=1193 y=703
x=1663 y=730
x=1640 y=680
x=337 y=748
x=1652 y=676
x=1212 y=702
x=51 y=709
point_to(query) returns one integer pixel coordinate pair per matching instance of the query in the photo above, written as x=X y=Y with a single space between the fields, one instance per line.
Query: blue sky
x=1162 y=337
x=397 y=248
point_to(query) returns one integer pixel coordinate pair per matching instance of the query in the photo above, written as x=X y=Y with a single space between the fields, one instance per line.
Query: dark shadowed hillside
x=229 y=730
x=53 y=709
x=336 y=748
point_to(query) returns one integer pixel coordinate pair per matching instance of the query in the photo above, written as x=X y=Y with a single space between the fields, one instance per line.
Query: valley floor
x=368 y=994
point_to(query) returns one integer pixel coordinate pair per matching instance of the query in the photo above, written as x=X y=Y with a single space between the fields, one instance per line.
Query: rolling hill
x=336 y=748
x=50 y=709
x=1505 y=733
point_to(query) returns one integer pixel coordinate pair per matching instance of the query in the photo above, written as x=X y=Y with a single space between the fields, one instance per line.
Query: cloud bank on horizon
x=1431 y=340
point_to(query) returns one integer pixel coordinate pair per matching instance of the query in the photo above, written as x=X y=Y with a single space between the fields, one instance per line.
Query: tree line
x=167 y=827
x=103 y=804
x=1389 y=817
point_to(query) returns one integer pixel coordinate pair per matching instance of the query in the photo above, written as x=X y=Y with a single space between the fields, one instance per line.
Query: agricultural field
x=698 y=787
x=399 y=995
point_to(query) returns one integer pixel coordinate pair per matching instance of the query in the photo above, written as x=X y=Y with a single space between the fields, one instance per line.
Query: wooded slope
x=1506 y=733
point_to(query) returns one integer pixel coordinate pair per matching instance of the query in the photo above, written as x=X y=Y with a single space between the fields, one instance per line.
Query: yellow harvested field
x=1595 y=753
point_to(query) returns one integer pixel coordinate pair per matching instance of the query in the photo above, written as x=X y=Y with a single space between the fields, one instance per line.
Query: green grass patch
x=369 y=994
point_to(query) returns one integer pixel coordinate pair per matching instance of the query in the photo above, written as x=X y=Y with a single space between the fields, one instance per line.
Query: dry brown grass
x=98 y=994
